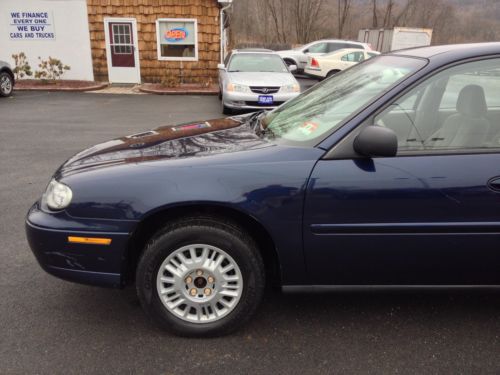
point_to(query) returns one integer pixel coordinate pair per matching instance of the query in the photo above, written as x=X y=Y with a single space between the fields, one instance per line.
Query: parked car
x=298 y=56
x=6 y=79
x=327 y=65
x=255 y=78
x=386 y=175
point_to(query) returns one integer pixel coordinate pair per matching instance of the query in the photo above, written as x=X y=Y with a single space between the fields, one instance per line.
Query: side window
x=456 y=109
x=318 y=48
x=359 y=56
x=353 y=57
x=332 y=47
x=349 y=45
x=345 y=57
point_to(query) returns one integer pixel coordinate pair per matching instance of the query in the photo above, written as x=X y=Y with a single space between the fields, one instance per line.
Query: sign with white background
x=55 y=28
x=31 y=25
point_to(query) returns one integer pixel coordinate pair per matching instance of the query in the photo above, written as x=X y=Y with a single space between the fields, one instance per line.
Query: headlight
x=290 y=88
x=234 y=87
x=57 y=196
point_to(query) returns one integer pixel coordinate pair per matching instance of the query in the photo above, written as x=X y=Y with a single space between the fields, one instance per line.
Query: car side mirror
x=375 y=141
x=221 y=67
x=292 y=68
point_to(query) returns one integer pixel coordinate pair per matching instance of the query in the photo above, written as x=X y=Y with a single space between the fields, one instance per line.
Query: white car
x=326 y=65
x=253 y=79
x=298 y=56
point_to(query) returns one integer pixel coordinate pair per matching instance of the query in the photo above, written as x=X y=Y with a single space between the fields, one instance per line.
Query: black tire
x=234 y=241
x=331 y=73
x=226 y=110
x=290 y=62
x=6 y=90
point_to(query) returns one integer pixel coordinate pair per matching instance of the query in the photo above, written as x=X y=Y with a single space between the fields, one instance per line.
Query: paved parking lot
x=48 y=326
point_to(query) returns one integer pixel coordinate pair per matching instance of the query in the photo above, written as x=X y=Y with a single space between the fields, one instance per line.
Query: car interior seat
x=469 y=127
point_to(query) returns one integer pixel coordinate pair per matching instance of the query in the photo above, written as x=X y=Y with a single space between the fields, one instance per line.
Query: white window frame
x=158 y=39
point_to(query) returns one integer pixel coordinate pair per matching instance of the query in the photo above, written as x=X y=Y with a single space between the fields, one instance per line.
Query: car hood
x=262 y=78
x=175 y=141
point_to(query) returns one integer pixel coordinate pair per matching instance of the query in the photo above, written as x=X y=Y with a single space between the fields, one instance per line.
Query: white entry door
x=121 y=50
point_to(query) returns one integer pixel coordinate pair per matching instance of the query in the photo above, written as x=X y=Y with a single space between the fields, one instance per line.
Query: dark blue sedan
x=386 y=175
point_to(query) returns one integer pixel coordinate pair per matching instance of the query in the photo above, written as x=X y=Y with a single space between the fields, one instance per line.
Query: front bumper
x=101 y=265
x=237 y=100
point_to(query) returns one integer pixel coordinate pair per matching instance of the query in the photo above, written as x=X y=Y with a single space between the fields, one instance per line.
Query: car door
x=431 y=214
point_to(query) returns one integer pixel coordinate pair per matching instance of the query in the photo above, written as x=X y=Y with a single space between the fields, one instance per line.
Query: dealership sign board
x=31 y=25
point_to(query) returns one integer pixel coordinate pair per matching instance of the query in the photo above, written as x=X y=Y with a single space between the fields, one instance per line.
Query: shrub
x=21 y=66
x=51 y=69
x=170 y=79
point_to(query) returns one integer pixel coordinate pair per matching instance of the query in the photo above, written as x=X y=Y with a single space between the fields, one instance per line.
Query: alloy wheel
x=199 y=283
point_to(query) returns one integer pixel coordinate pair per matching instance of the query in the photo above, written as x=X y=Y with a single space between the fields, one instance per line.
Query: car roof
x=452 y=50
x=338 y=41
x=346 y=50
x=253 y=50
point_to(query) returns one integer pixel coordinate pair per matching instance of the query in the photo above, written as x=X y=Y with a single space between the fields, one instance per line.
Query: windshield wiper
x=252 y=119
x=263 y=132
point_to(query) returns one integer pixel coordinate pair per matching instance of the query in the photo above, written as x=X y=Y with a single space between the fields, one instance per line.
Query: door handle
x=494 y=184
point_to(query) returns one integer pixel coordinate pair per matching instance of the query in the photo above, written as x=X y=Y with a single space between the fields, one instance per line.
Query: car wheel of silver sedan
x=200 y=277
x=225 y=109
x=6 y=84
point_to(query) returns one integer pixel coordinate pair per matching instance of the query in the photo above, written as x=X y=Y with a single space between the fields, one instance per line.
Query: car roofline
x=253 y=50
x=458 y=50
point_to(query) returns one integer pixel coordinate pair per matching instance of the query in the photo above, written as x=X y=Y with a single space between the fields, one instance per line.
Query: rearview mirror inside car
x=375 y=141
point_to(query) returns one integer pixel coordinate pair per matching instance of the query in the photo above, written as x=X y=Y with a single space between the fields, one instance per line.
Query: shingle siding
x=146 y=12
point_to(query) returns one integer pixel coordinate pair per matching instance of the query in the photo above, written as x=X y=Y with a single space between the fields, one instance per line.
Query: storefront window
x=177 y=39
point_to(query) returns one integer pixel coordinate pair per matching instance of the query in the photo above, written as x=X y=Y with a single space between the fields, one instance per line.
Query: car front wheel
x=200 y=277
x=6 y=84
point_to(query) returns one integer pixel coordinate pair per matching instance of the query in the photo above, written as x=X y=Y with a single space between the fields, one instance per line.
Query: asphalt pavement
x=49 y=326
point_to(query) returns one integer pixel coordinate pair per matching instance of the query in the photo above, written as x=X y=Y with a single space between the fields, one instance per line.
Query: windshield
x=257 y=62
x=307 y=118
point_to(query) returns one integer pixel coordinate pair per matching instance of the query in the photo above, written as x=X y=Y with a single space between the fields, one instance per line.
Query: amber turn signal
x=89 y=240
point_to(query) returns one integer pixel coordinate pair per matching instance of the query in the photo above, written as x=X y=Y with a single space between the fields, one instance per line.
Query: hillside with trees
x=277 y=23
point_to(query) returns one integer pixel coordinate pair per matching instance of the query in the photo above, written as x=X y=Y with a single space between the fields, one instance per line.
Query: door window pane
x=318 y=48
x=457 y=109
x=357 y=46
x=335 y=46
x=354 y=57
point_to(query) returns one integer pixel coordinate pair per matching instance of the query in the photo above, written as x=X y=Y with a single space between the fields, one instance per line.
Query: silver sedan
x=255 y=79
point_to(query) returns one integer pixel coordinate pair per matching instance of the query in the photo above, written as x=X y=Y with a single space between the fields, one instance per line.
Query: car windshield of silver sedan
x=257 y=62
x=317 y=112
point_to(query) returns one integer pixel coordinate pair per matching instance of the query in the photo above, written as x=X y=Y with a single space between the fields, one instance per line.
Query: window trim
x=158 y=39
x=342 y=150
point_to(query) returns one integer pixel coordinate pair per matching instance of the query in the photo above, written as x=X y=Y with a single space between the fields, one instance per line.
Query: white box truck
x=385 y=40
